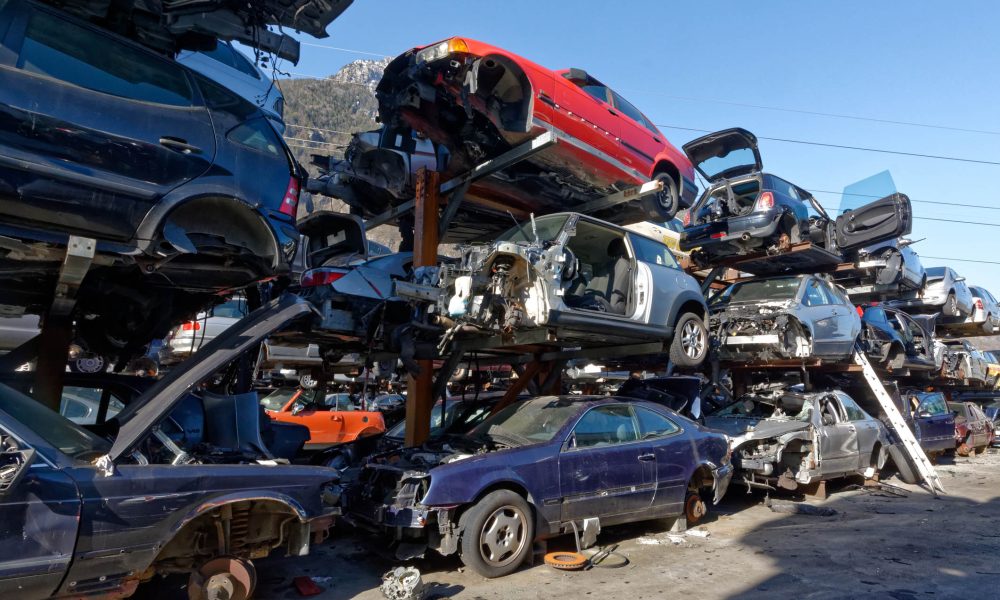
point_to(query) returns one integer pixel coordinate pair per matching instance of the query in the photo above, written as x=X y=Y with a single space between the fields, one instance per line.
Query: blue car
x=533 y=468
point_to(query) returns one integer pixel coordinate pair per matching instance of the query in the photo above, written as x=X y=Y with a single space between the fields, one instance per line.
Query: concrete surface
x=876 y=546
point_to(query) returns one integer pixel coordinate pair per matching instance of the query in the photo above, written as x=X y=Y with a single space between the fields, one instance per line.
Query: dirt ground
x=877 y=545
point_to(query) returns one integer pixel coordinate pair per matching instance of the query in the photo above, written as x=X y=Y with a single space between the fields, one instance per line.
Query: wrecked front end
x=760 y=333
x=771 y=453
x=502 y=287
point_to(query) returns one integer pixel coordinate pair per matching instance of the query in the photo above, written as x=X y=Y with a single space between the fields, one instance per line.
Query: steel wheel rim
x=503 y=536
x=664 y=197
x=692 y=340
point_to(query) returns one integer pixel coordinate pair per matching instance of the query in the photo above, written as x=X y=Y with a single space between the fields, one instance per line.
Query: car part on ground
x=479 y=101
x=782 y=318
x=791 y=440
x=452 y=494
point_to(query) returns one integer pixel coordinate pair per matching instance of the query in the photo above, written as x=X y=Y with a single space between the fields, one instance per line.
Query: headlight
x=441 y=50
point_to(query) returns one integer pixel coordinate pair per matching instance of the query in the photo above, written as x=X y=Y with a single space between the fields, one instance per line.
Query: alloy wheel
x=693 y=340
x=503 y=536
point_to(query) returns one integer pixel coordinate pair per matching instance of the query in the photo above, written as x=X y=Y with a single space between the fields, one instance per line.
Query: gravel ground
x=876 y=545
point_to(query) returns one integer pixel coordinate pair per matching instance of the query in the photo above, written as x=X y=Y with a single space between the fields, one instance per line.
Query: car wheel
x=988 y=325
x=663 y=205
x=904 y=467
x=307 y=382
x=690 y=344
x=88 y=363
x=950 y=307
x=498 y=534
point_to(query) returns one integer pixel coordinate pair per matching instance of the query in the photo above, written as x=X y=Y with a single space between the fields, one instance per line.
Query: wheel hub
x=692 y=340
x=502 y=536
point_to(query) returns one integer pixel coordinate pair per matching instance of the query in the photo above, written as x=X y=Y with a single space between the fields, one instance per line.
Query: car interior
x=731 y=200
x=604 y=276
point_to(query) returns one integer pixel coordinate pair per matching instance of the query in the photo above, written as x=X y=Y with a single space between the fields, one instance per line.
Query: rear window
x=259 y=135
x=231 y=57
x=782 y=288
x=58 y=48
x=936 y=273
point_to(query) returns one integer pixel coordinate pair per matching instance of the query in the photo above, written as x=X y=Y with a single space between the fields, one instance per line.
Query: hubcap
x=503 y=536
x=664 y=197
x=692 y=340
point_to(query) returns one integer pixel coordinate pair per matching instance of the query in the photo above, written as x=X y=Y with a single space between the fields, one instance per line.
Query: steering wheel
x=569 y=265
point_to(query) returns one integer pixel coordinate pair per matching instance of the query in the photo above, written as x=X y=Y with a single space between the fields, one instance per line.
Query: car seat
x=607 y=290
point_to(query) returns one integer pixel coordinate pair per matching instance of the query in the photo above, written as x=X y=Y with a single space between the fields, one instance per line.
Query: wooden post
x=419 y=397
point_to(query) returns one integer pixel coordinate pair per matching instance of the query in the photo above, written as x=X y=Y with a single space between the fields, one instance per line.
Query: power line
x=846 y=147
x=351 y=50
x=318 y=129
x=985 y=262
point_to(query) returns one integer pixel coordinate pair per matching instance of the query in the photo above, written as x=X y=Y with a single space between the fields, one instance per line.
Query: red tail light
x=191 y=326
x=979 y=304
x=687 y=219
x=318 y=277
x=765 y=201
x=717 y=236
x=290 y=203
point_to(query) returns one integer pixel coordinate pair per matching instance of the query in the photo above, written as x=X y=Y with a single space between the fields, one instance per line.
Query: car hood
x=744 y=429
x=136 y=421
x=709 y=154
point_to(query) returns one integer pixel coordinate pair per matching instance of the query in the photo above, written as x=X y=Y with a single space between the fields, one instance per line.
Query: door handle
x=179 y=145
x=647 y=457
x=612 y=111
x=657 y=140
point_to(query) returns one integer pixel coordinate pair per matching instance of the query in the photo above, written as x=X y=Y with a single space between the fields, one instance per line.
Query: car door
x=885 y=219
x=673 y=457
x=981 y=430
x=963 y=296
x=826 y=318
x=604 y=469
x=640 y=144
x=39 y=517
x=585 y=113
x=866 y=430
x=658 y=278
x=95 y=129
x=838 y=438
x=935 y=421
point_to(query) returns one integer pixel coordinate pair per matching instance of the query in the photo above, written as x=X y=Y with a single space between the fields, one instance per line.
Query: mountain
x=320 y=116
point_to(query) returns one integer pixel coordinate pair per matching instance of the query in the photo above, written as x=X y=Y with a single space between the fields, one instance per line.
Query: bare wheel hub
x=225 y=578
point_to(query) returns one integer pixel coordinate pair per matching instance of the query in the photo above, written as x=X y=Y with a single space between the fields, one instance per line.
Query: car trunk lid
x=723 y=154
x=333 y=239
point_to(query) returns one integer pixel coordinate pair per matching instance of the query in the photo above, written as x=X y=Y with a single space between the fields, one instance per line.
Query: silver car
x=884 y=269
x=965 y=361
x=945 y=292
x=787 y=317
x=791 y=439
x=985 y=311
x=188 y=337
x=589 y=279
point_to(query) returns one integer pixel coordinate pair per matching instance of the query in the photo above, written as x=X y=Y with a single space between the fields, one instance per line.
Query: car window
x=814 y=295
x=854 y=412
x=61 y=433
x=653 y=424
x=784 y=188
x=259 y=135
x=61 y=49
x=604 y=426
x=626 y=107
x=933 y=404
x=597 y=91
x=229 y=56
x=652 y=252
x=757 y=290
x=836 y=294
x=234 y=308
x=831 y=409
x=876 y=314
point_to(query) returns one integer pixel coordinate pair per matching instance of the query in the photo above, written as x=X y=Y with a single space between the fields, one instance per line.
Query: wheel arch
x=688 y=302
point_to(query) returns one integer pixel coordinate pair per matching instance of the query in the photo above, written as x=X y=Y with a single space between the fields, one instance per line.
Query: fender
x=470 y=490
x=682 y=298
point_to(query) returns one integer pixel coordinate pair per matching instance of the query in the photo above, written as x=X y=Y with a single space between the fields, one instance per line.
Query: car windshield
x=530 y=421
x=399 y=431
x=781 y=288
x=277 y=399
x=548 y=228
x=61 y=433
x=936 y=273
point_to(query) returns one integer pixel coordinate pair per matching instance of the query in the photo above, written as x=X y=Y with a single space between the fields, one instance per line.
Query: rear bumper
x=758 y=226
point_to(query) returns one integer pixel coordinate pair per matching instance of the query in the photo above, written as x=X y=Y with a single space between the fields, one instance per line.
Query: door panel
x=884 y=219
x=38 y=530
x=588 y=119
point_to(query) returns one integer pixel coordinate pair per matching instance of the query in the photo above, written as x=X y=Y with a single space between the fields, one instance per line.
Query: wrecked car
x=330 y=420
x=584 y=277
x=782 y=318
x=974 y=431
x=931 y=420
x=479 y=101
x=154 y=491
x=792 y=440
x=532 y=470
x=944 y=291
x=184 y=188
x=896 y=341
x=884 y=270
x=965 y=362
x=745 y=209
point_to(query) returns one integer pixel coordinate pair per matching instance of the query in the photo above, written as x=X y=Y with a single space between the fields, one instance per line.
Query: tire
x=689 y=346
x=498 y=535
x=663 y=205
x=904 y=467
x=950 y=307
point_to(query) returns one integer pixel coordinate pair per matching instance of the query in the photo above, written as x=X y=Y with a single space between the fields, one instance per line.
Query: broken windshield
x=548 y=228
x=763 y=290
x=535 y=420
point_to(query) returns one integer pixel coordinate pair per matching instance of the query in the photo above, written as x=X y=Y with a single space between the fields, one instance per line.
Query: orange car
x=331 y=418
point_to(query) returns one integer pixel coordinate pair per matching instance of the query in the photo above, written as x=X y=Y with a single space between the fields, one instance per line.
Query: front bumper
x=723 y=476
x=760 y=227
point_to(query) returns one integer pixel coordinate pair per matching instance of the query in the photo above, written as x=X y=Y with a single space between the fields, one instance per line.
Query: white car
x=985 y=310
x=189 y=336
x=233 y=70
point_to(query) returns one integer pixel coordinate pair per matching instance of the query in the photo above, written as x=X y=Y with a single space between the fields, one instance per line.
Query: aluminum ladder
x=910 y=444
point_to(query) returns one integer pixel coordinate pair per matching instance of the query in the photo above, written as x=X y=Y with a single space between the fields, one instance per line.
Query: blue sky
x=698 y=64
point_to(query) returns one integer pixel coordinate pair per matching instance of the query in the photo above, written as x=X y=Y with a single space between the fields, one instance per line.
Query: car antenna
x=534 y=228
x=513 y=218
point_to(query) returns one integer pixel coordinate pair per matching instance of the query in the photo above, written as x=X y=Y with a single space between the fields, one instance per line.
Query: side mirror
x=298 y=408
x=923 y=414
x=960 y=278
x=14 y=463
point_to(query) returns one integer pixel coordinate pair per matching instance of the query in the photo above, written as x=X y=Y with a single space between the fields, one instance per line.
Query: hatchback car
x=590 y=279
x=331 y=418
x=745 y=209
x=945 y=292
x=185 y=187
x=985 y=315
x=533 y=468
x=789 y=317
x=479 y=101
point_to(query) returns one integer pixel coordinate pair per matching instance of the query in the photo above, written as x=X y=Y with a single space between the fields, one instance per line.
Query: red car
x=479 y=101
x=974 y=431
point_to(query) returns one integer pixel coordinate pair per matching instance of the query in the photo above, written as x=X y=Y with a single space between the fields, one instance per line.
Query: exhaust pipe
x=745 y=237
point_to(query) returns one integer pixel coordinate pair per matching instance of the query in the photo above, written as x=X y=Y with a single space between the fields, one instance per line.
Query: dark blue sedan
x=533 y=468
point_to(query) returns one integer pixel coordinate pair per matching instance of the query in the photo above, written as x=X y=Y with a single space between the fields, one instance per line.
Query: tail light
x=290 y=203
x=318 y=277
x=191 y=326
x=979 y=304
x=687 y=219
x=765 y=201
